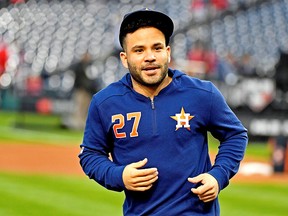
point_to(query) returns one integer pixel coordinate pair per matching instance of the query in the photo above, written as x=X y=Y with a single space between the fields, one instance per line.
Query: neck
x=150 y=91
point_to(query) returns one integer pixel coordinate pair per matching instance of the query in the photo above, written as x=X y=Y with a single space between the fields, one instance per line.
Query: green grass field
x=65 y=195
x=32 y=128
x=24 y=194
x=55 y=195
x=254 y=199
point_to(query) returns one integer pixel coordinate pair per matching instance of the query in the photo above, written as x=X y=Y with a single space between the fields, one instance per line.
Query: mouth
x=150 y=69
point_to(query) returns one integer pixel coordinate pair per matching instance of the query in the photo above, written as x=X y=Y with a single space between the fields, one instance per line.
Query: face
x=146 y=56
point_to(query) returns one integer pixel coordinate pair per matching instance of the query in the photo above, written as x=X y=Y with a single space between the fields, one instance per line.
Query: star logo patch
x=182 y=119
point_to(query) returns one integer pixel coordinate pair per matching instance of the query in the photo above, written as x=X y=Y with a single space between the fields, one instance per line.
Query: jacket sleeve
x=95 y=150
x=233 y=138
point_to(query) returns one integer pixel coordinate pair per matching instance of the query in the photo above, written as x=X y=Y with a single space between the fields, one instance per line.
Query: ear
x=123 y=58
x=168 y=53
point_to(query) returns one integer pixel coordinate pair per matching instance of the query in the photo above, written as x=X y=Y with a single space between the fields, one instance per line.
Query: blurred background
x=50 y=50
x=55 y=54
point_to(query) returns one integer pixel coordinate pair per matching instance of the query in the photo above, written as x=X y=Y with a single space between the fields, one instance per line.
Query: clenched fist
x=209 y=188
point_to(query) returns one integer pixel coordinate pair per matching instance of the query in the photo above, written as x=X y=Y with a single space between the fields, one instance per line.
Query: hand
x=209 y=189
x=137 y=179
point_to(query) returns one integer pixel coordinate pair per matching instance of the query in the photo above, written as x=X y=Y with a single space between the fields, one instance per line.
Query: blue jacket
x=171 y=132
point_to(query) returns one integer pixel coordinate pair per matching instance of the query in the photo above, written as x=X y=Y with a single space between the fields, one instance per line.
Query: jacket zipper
x=154 y=124
x=152 y=103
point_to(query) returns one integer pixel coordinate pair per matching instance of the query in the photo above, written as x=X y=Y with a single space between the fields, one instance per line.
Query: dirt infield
x=40 y=159
x=63 y=160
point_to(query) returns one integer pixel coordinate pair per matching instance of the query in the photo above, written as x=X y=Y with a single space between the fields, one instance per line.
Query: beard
x=154 y=81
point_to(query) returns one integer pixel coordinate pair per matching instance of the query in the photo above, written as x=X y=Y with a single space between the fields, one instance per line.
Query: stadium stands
x=51 y=35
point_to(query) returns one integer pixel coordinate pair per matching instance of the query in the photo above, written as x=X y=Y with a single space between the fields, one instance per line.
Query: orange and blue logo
x=182 y=119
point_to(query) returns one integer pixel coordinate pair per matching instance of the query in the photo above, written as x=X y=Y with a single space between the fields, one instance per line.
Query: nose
x=150 y=56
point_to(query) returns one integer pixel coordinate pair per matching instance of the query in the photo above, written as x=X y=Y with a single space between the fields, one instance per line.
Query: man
x=154 y=122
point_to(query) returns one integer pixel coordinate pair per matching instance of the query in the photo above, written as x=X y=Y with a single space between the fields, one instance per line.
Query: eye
x=158 y=48
x=138 y=50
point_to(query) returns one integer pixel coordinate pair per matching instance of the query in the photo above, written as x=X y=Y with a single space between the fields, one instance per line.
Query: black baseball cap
x=143 y=18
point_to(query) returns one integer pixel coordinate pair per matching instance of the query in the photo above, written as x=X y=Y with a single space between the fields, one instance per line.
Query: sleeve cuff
x=220 y=176
x=118 y=180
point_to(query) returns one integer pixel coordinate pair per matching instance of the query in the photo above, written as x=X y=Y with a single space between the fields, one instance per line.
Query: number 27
x=121 y=123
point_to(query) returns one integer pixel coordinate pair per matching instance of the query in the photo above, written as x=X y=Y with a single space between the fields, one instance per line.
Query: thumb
x=196 y=179
x=139 y=164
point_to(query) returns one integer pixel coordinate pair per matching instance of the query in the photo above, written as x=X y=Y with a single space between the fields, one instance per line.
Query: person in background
x=84 y=88
x=155 y=122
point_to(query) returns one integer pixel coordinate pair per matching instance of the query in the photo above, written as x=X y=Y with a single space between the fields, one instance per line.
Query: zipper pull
x=152 y=103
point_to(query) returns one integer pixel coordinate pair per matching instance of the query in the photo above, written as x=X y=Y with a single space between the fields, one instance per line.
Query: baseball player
x=154 y=123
